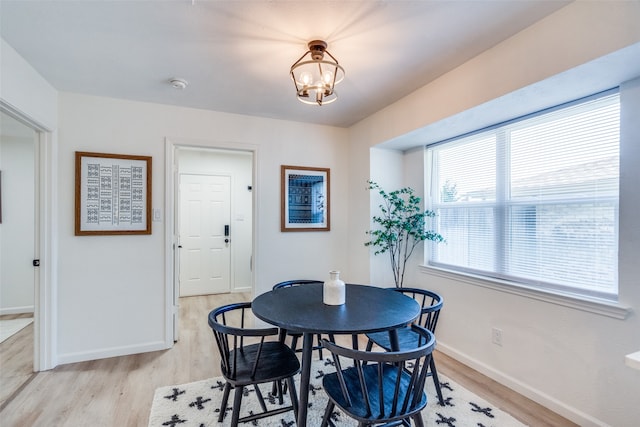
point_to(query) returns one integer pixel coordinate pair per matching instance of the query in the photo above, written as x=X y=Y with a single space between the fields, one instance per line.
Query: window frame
x=547 y=292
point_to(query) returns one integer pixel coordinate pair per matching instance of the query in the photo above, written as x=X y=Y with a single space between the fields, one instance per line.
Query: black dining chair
x=248 y=358
x=381 y=387
x=431 y=304
x=295 y=336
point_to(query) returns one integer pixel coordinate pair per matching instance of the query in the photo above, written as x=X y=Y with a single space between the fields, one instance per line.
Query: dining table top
x=366 y=309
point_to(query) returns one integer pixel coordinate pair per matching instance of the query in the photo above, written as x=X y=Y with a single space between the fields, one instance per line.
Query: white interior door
x=205 y=214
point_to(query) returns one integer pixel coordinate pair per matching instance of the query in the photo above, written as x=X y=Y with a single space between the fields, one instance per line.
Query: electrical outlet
x=496 y=336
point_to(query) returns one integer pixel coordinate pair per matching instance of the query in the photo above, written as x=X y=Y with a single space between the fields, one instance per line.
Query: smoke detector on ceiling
x=178 y=83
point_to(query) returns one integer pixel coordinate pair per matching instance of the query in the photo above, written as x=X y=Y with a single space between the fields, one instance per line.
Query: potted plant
x=401 y=227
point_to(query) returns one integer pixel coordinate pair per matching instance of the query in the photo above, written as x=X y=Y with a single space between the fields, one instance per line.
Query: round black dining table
x=300 y=309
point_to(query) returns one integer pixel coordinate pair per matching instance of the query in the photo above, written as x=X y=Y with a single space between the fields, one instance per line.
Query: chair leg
x=319 y=339
x=237 y=399
x=225 y=399
x=417 y=420
x=293 y=395
x=327 y=414
x=369 y=345
x=282 y=335
x=278 y=389
x=260 y=398
x=280 y=392
x=294 y=343
x=436 y=381
x=354 y=341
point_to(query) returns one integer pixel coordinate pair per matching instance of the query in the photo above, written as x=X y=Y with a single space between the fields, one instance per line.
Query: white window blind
x=535 y=200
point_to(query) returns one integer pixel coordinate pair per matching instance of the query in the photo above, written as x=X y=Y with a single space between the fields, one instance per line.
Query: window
x=534 y=201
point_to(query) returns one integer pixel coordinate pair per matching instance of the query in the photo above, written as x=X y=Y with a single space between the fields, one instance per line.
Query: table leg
x=305 y=377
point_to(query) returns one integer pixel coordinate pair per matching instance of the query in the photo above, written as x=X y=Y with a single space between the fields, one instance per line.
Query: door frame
x=44 y=310
x=172 y=228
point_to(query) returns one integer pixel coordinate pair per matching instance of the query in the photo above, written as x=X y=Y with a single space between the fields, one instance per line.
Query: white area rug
x=197 y=405
x=13 y=326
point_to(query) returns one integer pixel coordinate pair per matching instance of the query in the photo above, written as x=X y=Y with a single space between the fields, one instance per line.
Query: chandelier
x=315 y=77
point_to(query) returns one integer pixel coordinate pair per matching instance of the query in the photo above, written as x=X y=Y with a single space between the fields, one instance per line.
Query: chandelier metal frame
x=315 y=78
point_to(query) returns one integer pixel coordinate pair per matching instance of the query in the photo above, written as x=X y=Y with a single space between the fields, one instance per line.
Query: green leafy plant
x=401 y=227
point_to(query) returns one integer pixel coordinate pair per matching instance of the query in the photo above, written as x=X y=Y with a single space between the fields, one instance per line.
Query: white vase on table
x=333 y=292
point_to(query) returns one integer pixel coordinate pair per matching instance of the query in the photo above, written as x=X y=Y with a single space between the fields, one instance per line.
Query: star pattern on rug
x=219 y=385
x=486 y=411
x=448 y=421
x=174 y=421
x=445 y=385
x=319 y=374
x=176 y=392
x=272 y=399
x=447 y=401
x=199 y=403
x=313 y=389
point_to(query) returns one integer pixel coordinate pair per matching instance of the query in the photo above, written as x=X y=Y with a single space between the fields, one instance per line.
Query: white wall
x=17 y=231
x=568 y=359
x=386 y=170
x=100 y=276
x=239 y=166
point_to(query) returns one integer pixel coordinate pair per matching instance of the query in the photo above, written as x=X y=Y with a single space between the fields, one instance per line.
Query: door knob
x=226 y=240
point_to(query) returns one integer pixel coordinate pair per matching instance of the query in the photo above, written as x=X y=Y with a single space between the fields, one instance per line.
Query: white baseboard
x=63 y=359
x=17 y=310
x=555 y=405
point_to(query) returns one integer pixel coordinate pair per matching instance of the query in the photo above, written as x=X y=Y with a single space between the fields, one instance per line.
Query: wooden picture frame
x=113 y=194
x=305 y=199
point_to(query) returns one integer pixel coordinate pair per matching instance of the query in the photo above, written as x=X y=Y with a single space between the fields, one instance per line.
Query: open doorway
x=213 y=222
x=18 y=249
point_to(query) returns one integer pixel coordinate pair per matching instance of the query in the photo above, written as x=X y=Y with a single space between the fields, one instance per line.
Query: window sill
x=596 y=306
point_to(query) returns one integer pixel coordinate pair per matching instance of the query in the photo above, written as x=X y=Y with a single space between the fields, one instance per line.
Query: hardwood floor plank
x=16 y=361
x=118 y=391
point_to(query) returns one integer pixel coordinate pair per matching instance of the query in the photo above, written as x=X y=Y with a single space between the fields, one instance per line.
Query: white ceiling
x=236 y=54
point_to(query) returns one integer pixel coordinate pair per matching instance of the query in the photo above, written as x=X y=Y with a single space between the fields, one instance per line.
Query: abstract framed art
x=113 y=194
x=305 y=199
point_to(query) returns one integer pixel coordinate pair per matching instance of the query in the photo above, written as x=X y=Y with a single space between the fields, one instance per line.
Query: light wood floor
x=16 y=359
x=117 y=392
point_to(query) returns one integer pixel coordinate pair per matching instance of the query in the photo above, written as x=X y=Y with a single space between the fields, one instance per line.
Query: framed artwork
x=113 y=194
x=305 y=199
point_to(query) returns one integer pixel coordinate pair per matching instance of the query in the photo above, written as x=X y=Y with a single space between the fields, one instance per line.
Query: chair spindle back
x=384 y=385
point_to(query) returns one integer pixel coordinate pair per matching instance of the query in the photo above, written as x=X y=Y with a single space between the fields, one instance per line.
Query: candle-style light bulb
x=306 y=78
x=327 y=77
